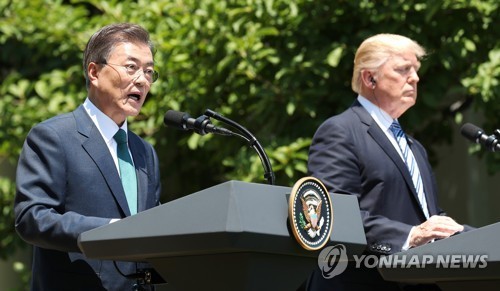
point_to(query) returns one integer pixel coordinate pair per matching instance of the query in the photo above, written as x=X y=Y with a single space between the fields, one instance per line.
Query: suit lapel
x=95 y=146
x=389 y=149
x=426 y=177
x=381 y=139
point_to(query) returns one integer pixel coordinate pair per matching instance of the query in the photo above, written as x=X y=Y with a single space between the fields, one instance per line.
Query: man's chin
x=412 y=96
x=132 y=109
x=410 y=100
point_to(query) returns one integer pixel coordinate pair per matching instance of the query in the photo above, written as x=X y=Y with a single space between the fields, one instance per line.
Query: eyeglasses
x=134 y=71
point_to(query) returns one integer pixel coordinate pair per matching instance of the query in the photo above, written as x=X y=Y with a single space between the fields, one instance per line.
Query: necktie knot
x=120 y=136
x=396 y=129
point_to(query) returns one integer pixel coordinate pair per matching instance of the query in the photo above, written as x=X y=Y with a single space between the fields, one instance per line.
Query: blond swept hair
x=376 y=50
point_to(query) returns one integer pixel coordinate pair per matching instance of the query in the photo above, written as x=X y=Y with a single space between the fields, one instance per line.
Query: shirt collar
x=382 y=118
x=106 y=126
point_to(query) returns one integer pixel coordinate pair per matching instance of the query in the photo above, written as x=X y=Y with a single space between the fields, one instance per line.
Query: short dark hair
x=102 y=43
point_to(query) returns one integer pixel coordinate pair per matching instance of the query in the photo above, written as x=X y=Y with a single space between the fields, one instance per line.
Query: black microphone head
x=176 y=119
x=471 y=132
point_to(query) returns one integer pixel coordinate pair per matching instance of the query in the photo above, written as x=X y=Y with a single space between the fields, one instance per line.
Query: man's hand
x=436 y=227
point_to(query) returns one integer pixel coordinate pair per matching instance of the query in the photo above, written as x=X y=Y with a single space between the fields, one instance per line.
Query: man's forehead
x=408 y=58
x=129 y=50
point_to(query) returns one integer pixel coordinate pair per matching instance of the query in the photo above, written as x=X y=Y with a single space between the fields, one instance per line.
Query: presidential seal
x=310 y=213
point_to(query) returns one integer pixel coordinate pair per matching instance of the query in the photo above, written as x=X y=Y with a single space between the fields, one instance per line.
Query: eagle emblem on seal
x=311 y=209
x=310 y=213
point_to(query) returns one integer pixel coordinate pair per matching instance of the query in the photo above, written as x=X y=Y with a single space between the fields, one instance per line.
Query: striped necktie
x=411 y=163
x=127 y=170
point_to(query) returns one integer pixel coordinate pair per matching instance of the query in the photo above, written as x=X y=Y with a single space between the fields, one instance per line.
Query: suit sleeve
x=336 y=158
x=40 y=216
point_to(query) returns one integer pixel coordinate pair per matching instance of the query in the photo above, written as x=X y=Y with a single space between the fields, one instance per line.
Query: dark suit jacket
x=350 y=154
x=67 y=183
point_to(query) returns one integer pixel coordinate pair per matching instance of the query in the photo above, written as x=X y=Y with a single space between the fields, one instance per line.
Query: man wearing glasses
x=85 y=169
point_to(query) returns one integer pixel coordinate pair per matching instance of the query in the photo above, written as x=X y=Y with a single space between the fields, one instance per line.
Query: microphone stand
x=495 y=145
x=491 y=142
x=253 y=142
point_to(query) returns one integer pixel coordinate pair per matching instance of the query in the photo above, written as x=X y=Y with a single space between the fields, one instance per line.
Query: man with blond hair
x=364 y=152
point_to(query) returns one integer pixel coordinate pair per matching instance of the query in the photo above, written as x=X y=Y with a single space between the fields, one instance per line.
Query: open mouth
x=135 y=97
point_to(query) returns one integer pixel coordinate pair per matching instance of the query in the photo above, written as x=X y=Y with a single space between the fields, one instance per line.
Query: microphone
x=200 y=125
x=253 y=142
x=477 y=135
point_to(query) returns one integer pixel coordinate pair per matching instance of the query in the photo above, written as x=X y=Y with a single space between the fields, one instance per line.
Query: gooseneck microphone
x=252 y=141
x=477 y=135
x=201 y=125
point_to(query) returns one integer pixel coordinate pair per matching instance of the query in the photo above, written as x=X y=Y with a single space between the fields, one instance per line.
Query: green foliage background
x=278 y=67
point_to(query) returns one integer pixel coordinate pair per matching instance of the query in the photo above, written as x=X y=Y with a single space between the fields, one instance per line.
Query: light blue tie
x=127 y=171
x=411 y=163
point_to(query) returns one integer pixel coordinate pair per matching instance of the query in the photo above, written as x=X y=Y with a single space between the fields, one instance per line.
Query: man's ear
x=93 y=72
x=368 y=79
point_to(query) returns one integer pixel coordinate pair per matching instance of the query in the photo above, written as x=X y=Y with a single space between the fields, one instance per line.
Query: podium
x=456 y=262
x=232 y=236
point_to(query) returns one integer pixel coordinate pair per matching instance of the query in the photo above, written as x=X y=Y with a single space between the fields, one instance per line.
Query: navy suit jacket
x=350 y=154
x=67 y=183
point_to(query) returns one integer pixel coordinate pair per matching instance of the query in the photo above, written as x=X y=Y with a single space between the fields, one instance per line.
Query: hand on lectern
x=436 y=227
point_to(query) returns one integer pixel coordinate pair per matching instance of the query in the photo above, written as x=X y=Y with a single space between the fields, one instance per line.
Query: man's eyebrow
x=134 y=59
x=408 y=63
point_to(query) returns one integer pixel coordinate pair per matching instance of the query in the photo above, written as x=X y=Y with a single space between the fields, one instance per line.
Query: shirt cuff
x=406 y=245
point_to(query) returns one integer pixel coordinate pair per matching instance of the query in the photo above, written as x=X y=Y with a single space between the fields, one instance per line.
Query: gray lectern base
x=236 y=271
x=453 y=258
x=233 y=236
